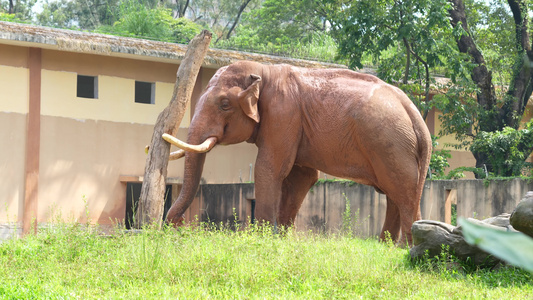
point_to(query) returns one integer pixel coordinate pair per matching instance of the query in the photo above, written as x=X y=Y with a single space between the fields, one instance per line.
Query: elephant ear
x=248 y=98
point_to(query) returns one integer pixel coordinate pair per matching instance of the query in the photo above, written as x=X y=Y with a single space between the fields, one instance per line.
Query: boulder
x=499 y=221
x=432 y=237
x=522 y=217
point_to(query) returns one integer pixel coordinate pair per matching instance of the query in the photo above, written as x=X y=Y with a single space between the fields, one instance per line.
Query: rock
x=433 y=236
x=522 y=217
x=430 y=236
x=500 y=221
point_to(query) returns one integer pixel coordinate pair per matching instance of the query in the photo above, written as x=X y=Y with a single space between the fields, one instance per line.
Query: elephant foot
x=176 y=221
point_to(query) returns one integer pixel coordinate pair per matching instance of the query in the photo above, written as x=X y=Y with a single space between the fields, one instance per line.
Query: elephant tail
x=424 y=148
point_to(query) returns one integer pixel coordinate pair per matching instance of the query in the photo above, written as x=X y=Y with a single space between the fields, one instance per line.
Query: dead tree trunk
x=151 y=201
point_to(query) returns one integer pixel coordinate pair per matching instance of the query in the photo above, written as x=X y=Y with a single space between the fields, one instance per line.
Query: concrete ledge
x=103 y=44
x=138 y=178
x=10 y=230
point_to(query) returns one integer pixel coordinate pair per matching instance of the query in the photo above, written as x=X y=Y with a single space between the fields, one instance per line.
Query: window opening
x=87 y=87
x=133 y=193
x=144 y=92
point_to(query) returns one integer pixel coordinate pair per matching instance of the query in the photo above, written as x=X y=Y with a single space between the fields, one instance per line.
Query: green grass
x=70 y=261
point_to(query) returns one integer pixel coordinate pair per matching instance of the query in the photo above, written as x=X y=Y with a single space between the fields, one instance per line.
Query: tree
x=181 y=8
x=220 y=16
x=284 y=21
x=21 y=9
x=157 y=23
x=60 y=14
x=237 y=17
x=406 y=39
x=84 y=14
x=285 y=27
x=506 y=149
x=494 y=112
x=152 y=198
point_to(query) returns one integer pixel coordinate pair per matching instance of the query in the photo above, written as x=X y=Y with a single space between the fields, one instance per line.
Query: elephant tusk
x=173 y=155
x=207 y=145
x=176 y=154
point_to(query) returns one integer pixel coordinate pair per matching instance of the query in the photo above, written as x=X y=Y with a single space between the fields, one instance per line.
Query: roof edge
x=102 y=44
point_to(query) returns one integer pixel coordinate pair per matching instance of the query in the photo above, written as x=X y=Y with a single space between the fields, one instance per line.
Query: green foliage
x=8 y=17
x=320 y=47
x=218 y=16
x=416 y=92
x=458 y=173
x=22 y=10
x=461 y=114
x=350 y=222
x=138 y=20
x=439 y=160
x=280 y=22
x=79 y=14
x=439 y=163
x=446 y=263
x=59 y=13
x=378 y=27
x=493 y=28
x=514 y=247
x=506 y=150
x=453 y=220
x=284 y=27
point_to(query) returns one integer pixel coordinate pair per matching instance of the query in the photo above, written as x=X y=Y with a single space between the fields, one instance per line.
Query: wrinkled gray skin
x=344 y=123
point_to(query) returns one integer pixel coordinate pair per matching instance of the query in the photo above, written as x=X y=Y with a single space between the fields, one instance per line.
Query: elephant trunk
x=194 y=165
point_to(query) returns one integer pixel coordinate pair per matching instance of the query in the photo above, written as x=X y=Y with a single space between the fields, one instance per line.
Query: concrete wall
x=482 y=199
x=325 y=204
x=14 y=83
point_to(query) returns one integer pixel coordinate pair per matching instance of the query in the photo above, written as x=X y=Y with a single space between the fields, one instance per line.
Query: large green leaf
x=514 y=247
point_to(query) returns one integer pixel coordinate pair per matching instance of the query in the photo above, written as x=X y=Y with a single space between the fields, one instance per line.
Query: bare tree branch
x=241 y=9
x=182 y=8
x=11 y=9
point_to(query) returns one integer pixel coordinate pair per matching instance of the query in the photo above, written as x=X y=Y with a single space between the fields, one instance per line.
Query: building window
x=87 y=87
x=144 y=92
x=133 y=193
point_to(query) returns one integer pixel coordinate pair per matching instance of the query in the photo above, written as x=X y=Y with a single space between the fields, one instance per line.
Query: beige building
x=77 y=110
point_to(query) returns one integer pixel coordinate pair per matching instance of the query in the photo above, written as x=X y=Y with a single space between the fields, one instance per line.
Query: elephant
x=302 y=120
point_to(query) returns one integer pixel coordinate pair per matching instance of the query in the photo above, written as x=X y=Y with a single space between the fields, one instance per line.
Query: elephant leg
x=294 y=190
x=401 y=217
x=268 y=190
x=408 y=215
x=275 y=160
x=392 y=222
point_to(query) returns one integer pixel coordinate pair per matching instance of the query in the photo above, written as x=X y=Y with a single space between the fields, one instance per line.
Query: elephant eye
x=225 y=105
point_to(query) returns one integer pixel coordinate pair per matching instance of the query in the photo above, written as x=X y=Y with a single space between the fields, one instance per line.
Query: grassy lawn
x=70 y=261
